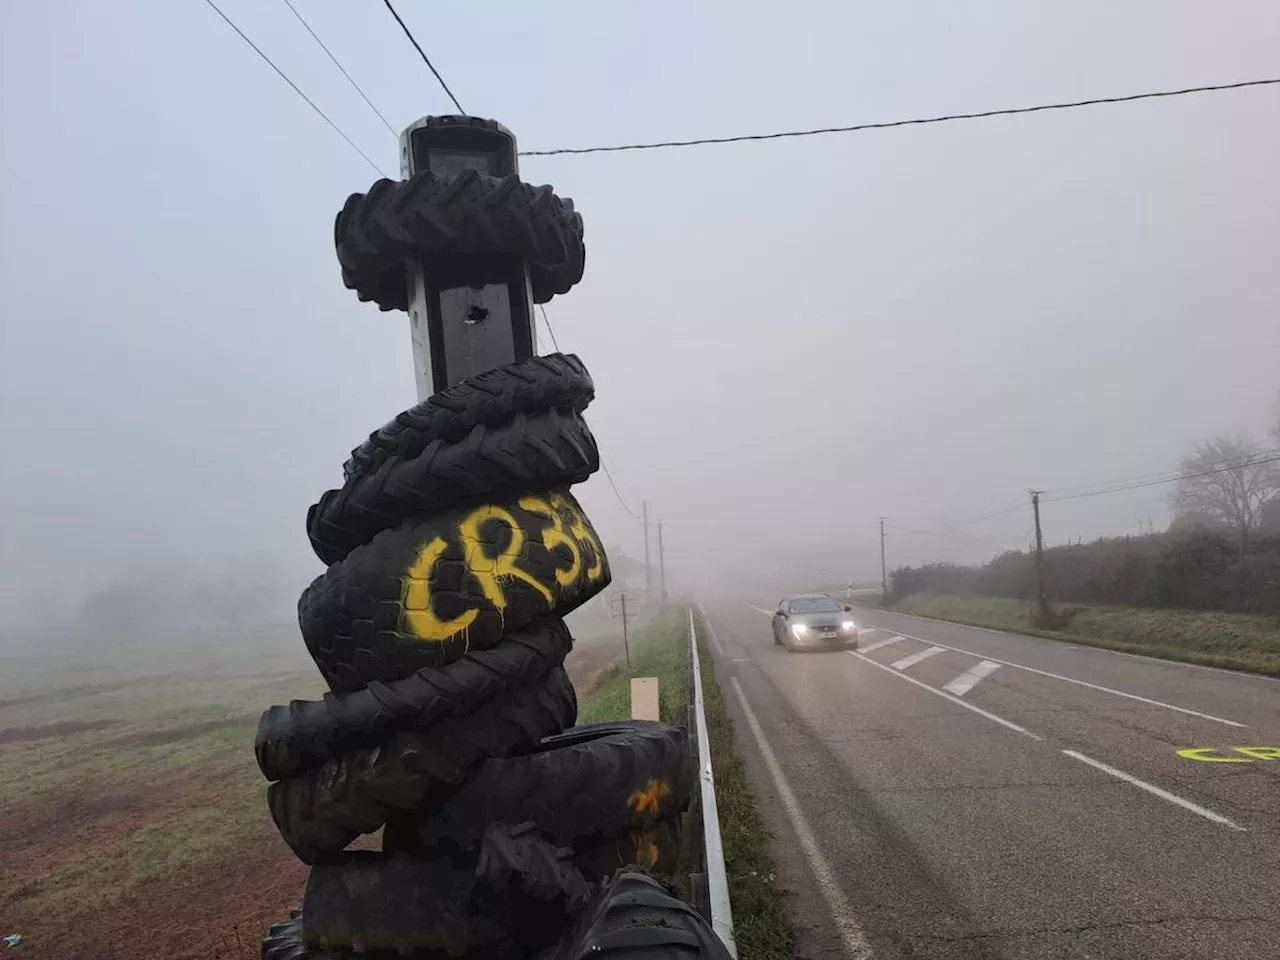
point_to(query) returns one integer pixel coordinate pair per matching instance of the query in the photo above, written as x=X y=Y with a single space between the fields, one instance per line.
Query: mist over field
x=789 y=339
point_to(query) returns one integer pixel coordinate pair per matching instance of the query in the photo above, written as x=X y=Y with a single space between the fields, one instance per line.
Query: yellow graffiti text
x=563 y=530
x=649 y=800
x=417 y=599
x=1213 y=754
x=646 y=850
x=555 y=536
x=488 y=570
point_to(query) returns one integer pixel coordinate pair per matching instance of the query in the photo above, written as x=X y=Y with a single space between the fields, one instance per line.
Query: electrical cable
x=884 y=125
x=422 y=53
x=1164 y=476
x=547 y=321
x=356 y=86
x=625 y=506
x=296 y=89
x=1222 y=468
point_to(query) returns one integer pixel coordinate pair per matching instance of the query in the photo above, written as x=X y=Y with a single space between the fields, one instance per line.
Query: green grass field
x=1231 y=640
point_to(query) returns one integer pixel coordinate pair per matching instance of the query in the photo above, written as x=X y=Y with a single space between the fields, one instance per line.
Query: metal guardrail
x=717 y=882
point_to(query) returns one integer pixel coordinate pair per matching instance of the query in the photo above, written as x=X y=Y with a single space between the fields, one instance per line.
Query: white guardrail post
x=717 y=880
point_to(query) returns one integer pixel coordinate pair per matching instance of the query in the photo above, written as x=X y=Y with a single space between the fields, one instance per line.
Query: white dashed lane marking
x=878 y=644
x=967 y=680
x=915 y=658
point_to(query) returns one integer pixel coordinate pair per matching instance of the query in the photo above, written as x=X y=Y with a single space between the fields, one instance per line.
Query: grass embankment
x=1235 y=641
x=660 y=650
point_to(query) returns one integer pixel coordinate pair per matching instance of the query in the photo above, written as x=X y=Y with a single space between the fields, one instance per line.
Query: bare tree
x=1228 y=482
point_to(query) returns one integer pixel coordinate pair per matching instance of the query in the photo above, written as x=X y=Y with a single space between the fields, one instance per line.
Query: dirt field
x=133 y=820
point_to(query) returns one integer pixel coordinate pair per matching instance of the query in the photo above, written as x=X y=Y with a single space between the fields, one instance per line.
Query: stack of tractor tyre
x=454 y=550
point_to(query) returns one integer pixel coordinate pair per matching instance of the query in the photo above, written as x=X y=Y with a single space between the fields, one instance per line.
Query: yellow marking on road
x=1250 y=754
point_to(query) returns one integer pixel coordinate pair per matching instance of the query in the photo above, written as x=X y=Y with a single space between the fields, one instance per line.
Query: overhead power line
x=1162 y=476
x=885 y=125
x=356 y=86
x=547 y=321
x=296 y=89
x=422 y=53
x=622 y=500
x=1273 y=457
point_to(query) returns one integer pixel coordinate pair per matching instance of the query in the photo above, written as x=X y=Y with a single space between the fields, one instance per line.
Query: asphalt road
x=1041 y=809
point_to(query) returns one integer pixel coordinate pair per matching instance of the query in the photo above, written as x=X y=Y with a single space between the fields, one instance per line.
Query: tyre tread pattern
x=318 y=812
x=519 y=891
x=307 y=733
x=634 y=916
x=351 y=615
x=531 y=452
x=426 y=216
x=526 y=386
x=577 y=787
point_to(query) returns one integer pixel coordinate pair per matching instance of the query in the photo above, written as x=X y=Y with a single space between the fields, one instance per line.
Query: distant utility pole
x=648 y=570
x=884 y=579
x=662 y=566
x=1042 y=600
x=620 y=598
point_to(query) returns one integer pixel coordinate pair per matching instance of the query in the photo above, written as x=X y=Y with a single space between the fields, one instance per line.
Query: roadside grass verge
x=1234 y=641
x=760 y=919
x=660 y=650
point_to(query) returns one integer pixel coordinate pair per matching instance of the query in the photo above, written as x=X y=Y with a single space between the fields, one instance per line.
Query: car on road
x=813 y=621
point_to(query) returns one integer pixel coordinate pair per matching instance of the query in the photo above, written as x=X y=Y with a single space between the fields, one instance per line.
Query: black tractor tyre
x=529 y=452
x=637 y=917
x=306 y=733
x=582 y=786
x=429 y=591
x=376 y=233
x=518 y=867
x=493 y=397
x=519 y=891
x=284 y=940
x=653 y=848
x=318 y=812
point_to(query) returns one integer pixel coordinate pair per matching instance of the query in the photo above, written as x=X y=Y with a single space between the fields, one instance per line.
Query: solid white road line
x=767 y=613
x=855 y=941
x=716 y=648
x=1082 y=683
x=878 y=644
x=1154 y=790
x=915 y=658
x=967 y=680
x=946 y=696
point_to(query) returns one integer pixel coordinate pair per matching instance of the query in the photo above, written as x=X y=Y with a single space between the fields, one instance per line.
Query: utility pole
x=884 y=579
x=620 y=598
x=662 y=566
x=648 y=570
x=626 y=641
x=1042 y=600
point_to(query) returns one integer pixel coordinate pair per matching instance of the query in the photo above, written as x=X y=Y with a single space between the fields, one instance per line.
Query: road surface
x=951 y=792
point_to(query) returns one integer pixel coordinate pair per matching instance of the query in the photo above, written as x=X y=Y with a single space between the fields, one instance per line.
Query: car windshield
x=815 y=605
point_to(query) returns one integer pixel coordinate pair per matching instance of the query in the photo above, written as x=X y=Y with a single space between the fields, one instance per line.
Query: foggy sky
x=789 y=339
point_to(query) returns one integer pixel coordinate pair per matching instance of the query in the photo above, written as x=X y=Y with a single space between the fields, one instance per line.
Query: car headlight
x=847 y=625
x=799 y=629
